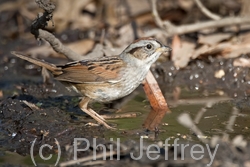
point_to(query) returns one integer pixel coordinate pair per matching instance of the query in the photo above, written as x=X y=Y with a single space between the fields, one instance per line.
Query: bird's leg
x=83 y=106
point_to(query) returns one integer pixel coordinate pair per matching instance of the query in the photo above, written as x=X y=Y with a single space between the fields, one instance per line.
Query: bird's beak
x=164 y=49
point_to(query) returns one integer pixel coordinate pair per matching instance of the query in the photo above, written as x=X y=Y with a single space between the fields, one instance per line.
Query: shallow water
x=213 y=121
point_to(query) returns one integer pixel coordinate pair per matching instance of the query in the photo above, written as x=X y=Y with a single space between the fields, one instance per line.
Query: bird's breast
x=113 y=89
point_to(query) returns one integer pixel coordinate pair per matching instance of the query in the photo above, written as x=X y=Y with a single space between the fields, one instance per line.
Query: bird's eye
x=149 y=46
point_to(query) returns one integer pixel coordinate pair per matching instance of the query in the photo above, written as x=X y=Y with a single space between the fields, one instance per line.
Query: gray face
x=143 y=52
x=144 y=49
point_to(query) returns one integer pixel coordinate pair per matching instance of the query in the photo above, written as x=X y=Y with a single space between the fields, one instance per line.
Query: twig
x=155 y=13
x=199 y=115
x=230 y=124
x=154 y=94
x=157 y=102
x=92 y=163
x=89 y=158
x=171 y=29
x=196 y=101
x=205 y=11
x=57 y=45
x=41 y=22
x=211 y=24
x=202 y=111
x=232 y=119
x=122 y=115
x=30 y=105
x=186 y=121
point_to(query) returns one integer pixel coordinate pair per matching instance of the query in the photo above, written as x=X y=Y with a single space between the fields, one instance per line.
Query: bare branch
x=155 y=13
x=171 y=29
x=206 y=12
x=57 y=45
x=211 y=24
x=41 y=22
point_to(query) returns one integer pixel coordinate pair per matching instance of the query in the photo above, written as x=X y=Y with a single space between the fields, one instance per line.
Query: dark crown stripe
x=132 y=51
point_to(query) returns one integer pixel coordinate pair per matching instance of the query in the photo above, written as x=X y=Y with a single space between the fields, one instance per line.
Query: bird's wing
x=85 y=71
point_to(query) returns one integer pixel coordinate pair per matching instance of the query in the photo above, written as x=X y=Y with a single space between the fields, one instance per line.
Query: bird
x=108 y=78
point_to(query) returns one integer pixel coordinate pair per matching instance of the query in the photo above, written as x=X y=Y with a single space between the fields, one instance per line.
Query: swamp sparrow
x=107 y=78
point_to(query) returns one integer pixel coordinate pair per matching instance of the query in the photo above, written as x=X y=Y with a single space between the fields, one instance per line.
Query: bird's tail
x=53 y=68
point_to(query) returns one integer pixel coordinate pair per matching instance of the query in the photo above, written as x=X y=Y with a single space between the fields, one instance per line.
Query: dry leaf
x=114 y=51
x=186 y=4
x=96 y=53
x=214 y=38
x=82 y=46
x=45 y=50
x=242 y=62
x=226 y=49
x=216 y=49
x=200 y=51
x=100 y=51
x=125 y=39
x=176 y=44
x=245 y=37
x=138 y=7
x=237 y=50
x=68 y=13
x=182 y=52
